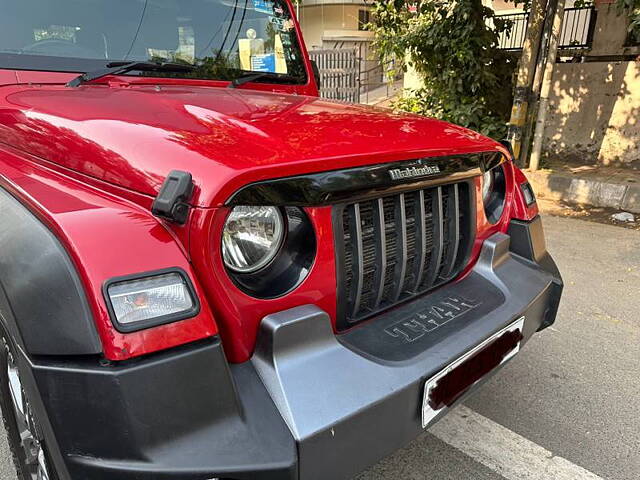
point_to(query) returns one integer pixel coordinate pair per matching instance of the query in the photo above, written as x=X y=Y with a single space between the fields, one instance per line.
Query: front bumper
x=309 y=404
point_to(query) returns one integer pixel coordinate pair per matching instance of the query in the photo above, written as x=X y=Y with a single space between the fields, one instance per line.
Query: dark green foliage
x=632 y=9
x=453 y=46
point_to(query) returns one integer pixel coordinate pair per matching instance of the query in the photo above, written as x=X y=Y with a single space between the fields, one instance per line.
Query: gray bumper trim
x=337 y=398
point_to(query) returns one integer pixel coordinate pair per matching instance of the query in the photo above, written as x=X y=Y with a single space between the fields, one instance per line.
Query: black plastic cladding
x=41 y=293
x=181 y=414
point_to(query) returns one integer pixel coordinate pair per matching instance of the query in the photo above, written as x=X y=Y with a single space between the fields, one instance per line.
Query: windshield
x=223 y=39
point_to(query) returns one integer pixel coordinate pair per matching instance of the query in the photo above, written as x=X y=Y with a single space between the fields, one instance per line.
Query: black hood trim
x=335 y=186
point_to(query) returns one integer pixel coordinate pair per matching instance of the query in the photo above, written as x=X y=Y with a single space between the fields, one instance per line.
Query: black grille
x=393 y=248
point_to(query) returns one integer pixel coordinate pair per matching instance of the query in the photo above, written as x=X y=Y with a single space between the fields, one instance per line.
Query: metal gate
x=339 y=72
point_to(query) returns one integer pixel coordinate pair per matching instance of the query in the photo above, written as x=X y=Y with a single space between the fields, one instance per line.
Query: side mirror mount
x=172 y=202
x=316 y=72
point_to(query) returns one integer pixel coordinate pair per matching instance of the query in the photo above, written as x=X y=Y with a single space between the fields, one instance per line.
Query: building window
x=364 y=17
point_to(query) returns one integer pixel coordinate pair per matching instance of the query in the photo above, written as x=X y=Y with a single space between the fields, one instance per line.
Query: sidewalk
x=382 y=95
x=608 y=187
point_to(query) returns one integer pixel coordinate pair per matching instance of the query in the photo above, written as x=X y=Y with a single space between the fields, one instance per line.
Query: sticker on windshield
x=286 y=40
x=282 y=24
x=263 y=63
x=263 y=6
x=277 y=22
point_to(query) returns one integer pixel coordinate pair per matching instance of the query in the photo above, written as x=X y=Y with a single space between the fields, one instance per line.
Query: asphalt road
x=570 y=399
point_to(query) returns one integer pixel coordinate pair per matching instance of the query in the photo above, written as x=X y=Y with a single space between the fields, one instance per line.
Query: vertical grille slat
x=435 y=258
x=381 y=250
x=421 y=239
x=357 y=259
x=399 y=246
x=453 y=240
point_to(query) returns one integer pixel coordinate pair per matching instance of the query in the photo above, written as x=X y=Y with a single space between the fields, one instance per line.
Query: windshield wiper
x=252 y=77
x=117 y=68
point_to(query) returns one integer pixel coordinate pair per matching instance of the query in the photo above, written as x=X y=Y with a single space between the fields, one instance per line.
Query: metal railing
x=377 y=83
x=514 y=38
x=343 y=77
x=577 y=29
x=339 y=74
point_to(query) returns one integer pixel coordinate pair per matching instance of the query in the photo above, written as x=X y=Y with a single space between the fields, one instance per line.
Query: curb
x=585 y=191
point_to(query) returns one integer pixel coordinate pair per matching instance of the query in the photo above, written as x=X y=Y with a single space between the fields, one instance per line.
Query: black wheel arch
x=42 y=301
x=43 y=307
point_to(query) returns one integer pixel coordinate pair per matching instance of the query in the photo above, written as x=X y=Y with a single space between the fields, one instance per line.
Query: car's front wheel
x=27 y=448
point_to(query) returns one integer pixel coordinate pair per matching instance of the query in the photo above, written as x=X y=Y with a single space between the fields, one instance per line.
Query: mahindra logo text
x=412 y=172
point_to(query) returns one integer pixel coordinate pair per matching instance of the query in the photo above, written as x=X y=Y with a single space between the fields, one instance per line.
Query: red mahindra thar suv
x=208 y=272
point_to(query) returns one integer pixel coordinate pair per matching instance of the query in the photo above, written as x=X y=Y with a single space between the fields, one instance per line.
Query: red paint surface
x=239 y=313
x=89 y=161
x=106 y=237
x=132 y=136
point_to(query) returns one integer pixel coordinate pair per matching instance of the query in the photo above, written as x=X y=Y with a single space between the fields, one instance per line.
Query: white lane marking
x=503 y=451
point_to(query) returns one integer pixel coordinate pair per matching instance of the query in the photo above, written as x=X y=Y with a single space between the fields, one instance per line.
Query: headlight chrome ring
x=251 y=238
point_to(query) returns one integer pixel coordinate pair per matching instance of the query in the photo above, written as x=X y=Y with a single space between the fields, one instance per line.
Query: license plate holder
x=450 y=383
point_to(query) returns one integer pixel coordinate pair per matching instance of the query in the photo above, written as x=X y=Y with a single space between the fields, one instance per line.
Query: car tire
x=29 y=457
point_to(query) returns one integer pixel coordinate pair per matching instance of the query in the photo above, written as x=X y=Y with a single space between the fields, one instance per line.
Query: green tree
x=632 y=9
x=453 y=46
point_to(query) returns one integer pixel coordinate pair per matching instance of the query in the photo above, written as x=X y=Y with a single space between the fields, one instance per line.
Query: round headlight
x=251 y=238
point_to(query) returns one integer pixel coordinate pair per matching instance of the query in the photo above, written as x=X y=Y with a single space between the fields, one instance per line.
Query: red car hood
x=226 y=138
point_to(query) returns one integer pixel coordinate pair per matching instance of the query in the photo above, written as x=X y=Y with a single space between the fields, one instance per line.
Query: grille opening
x=394 y=248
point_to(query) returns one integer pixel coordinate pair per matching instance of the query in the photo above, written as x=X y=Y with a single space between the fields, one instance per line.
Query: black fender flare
x=42 y=301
